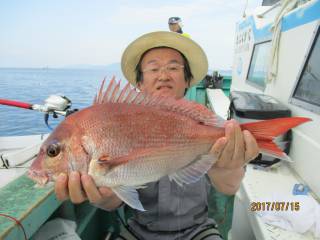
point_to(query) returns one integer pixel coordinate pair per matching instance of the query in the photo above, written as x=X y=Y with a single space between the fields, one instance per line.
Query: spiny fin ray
x=129 y=95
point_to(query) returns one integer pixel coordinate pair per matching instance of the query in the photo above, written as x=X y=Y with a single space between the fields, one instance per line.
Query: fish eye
x=53 y=150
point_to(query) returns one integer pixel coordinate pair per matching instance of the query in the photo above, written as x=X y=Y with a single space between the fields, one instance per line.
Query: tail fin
x=266 y=131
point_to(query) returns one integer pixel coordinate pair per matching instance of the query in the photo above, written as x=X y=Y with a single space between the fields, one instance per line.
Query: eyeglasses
x=170 y=68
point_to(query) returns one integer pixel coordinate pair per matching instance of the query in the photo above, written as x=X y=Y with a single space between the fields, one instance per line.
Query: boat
x=280 y=66
x=293 y=80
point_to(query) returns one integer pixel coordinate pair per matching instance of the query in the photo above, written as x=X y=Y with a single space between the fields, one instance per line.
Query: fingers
x=252 y=149
x=69 y=187
x=79 y=188
x=77 y=195
x=106 y=192
x=93 y=193
x=230 y=156
x=230 y=146
x=238 y=149
x=101 y=197
x=218 y=147
x=61 y=187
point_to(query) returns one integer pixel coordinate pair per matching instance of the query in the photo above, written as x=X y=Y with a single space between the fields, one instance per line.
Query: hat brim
x=195 y=55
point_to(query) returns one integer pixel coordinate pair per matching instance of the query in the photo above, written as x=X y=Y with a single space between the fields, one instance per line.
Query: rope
x=5 y=162
x=245 y=8
x=286 y=6
x=17 y=222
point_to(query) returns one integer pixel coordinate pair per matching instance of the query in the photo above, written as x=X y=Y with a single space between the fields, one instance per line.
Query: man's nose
x=163 y=75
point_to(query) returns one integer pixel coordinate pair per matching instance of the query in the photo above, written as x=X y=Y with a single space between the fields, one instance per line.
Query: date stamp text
x=274 y=206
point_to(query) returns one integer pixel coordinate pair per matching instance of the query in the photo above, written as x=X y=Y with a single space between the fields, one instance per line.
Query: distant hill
x=116 y=67
x=109 y=67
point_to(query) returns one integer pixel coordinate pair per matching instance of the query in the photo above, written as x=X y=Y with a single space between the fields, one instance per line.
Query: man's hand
x=236 y=149
x=233 y=151
x=80 y=188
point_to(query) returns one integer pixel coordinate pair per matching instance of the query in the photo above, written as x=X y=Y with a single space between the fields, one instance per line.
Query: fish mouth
x=39 y=177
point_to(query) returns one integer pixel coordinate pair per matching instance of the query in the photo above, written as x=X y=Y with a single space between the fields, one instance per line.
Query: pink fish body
x=127 y=139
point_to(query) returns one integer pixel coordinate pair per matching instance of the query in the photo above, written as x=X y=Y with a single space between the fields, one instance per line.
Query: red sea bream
x=127 y=139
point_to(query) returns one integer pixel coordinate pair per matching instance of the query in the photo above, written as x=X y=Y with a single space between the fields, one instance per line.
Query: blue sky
x=38 y=33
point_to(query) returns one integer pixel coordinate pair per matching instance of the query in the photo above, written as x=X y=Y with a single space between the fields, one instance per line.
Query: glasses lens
x=169 y=68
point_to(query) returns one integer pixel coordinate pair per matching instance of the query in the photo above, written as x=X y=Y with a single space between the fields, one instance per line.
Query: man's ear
x=139 y=86
x=188 y=84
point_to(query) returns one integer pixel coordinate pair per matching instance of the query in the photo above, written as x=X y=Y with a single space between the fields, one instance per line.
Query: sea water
x=35 y=85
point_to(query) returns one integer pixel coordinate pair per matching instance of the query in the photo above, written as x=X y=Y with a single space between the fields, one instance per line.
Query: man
x=167 y=63
x=175 y=25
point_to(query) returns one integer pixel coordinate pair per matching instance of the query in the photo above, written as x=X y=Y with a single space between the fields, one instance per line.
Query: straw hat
x=191 y=50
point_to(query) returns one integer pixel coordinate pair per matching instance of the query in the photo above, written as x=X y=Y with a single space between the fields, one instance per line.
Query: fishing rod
x=54 y=105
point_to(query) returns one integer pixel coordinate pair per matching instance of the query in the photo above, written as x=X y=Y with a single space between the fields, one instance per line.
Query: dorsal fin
x=109 y=92
x=97 y=98
x=130 y=95
x=124 y=93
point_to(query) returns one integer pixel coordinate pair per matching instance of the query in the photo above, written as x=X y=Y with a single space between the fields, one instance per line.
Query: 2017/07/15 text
x=274 y=206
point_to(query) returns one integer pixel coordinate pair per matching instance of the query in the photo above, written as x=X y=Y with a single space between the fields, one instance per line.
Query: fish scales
x=127 y=139
x=144 y=127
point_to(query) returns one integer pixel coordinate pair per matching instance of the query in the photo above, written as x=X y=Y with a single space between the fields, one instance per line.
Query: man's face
x=163 y=73
x=174 y=27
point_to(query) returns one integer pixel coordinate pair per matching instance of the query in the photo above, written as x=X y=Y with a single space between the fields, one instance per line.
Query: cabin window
x=306 y=92
x=258 y=68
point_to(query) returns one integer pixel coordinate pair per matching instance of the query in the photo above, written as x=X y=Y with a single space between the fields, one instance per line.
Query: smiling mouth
x=164 y=87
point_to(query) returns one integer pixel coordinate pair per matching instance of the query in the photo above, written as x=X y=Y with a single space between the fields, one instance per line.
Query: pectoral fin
x=136 y=154
x=194 y=171
x=110 y=163
x=129 y=195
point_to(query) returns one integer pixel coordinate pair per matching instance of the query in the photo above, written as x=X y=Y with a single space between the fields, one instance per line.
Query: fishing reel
x=55 y=105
